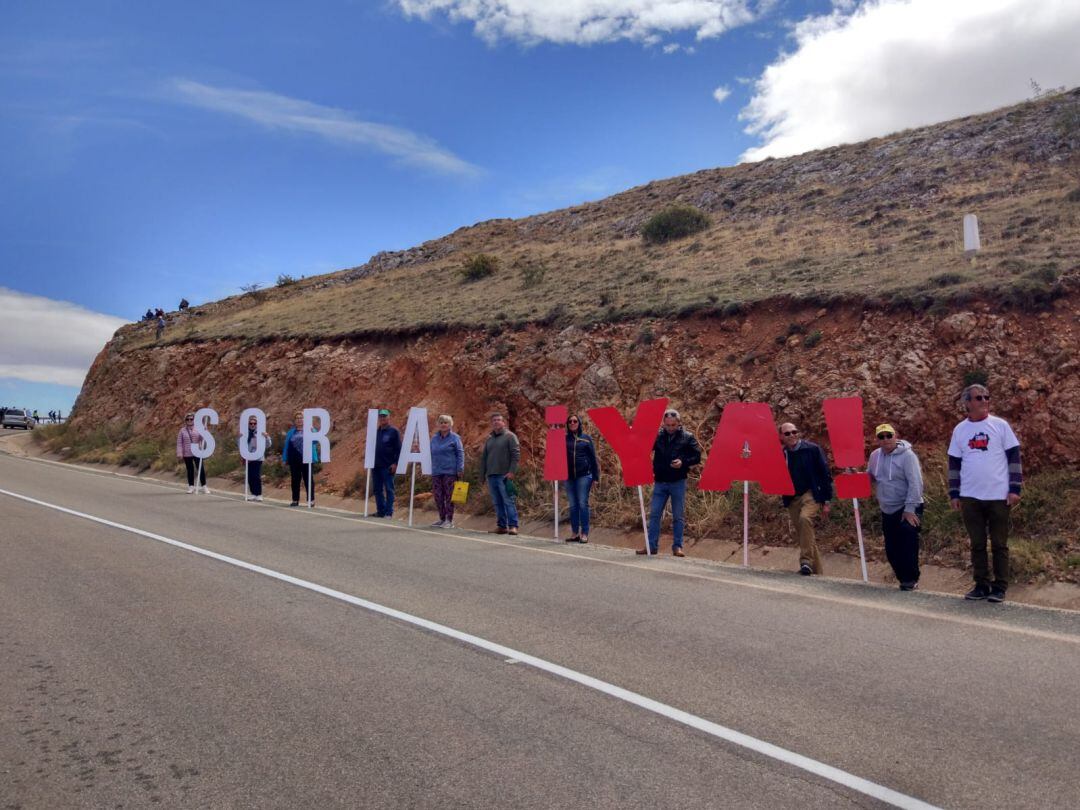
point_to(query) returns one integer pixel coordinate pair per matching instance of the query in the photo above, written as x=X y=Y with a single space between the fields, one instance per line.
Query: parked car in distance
x=18 y=418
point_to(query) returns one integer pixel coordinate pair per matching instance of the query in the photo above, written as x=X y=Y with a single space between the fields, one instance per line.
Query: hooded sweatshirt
x=898 y=477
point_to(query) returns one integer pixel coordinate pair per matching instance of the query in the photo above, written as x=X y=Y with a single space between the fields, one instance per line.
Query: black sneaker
x=805 y=570
x=909 y=586
x=996 y=595
x=978 y=592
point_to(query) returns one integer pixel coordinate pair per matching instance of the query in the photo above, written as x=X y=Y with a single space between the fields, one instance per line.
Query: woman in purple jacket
x=187 y=438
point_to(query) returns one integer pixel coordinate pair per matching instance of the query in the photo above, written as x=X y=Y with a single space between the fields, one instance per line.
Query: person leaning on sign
x=498 y=463
x=447 y=465
x=894 y=469
x=187 y=438
x=387 y=451
x=293 y=455
x=254 y=468
x=985 y=479
x=675 y=451
x=813 y=490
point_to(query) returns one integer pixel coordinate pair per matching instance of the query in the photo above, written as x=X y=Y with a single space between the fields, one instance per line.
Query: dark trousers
x=902 y=544
x=383 y=481
x=442 y=487
x=190 y=464
x=299 y=472
x=254 y=476
x=983 y=519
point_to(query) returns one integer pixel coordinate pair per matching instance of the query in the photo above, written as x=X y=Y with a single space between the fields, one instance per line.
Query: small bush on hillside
x=947 y=279
x=672 y=223
x=284 y=280
x=479 y=266
x=977 y=376
x=532 y=275
x=813 y=339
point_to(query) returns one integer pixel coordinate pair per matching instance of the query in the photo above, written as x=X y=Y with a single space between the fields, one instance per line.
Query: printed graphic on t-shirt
x=980 y=441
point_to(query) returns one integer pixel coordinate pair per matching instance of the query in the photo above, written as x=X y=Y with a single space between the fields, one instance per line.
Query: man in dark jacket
x=813 y=491
x=387 y=450
x=675 y=451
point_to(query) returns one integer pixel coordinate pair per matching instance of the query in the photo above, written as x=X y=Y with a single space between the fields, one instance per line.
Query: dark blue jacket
x=581 y=457
x=809 y=471
x=670 y=446
x=387 y=446
x=286 y=450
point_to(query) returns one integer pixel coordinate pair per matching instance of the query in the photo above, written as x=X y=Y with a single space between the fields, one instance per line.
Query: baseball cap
x=384 y=412
x=884 y=429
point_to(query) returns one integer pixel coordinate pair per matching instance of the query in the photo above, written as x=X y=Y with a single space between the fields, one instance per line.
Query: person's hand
x=677 y=463
x=1012 y=500
x=509 y=476
x=912 y=518
x=393 y=469
x=825 y=511
x=955 y=504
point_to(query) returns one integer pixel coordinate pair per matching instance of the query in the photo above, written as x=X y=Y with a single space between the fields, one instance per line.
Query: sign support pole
x=555 y=486
x=247 y=492
x=746 y=524
x=858 y=531
x=412 y=492
x=310 y=487
x=198 y=476
x=644 y=522
x=367 y=492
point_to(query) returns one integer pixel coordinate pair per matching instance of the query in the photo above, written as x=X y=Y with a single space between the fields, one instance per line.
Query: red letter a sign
x=632 y=445
x=746 y=448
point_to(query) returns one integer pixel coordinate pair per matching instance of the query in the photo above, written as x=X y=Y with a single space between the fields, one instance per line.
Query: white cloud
x=282 y=112
x=721 y=93
x=880 y=66
x=47 y=341
x=587 y=22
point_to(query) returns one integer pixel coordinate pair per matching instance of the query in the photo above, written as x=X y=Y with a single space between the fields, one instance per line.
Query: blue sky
x=150 y=150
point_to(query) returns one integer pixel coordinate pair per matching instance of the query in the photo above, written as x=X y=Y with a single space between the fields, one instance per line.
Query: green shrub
x=532 y=275
x=977 y=376
x=813 y=339
x=284 y=280
x=947 y=279
x=672 y=223
x=479 y=266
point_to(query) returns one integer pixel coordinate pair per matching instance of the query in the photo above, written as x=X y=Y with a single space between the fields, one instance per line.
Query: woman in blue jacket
x=583 y=471
x=447 y=464
x=292 y=454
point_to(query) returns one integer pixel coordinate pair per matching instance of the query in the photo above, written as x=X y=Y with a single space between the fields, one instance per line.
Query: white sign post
x=369 y=452
x=205 y=448
x=644 y=522
x=858 y=531
x=972 y=243
x=555 y=486
x=746 y=512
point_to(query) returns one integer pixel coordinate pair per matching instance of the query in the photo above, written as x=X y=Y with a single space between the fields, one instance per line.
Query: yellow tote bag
x=461 y=492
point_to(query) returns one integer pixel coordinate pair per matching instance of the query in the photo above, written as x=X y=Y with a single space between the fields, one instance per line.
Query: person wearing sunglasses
x=187 y=438
x=897 y=476
x=583 y=471
x=675 y=451
x=985 y=479
x=813 y=490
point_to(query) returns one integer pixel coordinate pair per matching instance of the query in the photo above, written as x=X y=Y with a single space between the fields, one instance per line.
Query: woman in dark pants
x=583 y=472
x=254 y=468
x=293 y=455
x=186 y=439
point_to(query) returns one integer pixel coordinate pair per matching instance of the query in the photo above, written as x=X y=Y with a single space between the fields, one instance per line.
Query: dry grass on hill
x=879 y=220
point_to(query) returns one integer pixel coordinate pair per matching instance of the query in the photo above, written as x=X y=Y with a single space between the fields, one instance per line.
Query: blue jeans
x=383 y=480
x=662 y=490
x=505 y=508
x=577 y=493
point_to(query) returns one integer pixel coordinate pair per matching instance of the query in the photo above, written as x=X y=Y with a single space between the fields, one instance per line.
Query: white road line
x=840 y=777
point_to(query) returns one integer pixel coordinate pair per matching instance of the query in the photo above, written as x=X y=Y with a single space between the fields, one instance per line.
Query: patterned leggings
x=442 y=487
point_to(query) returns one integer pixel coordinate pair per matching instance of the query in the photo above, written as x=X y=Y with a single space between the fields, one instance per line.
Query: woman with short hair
x=187 y=438
x=292 y=454
x=254 y=468
x=447 y=465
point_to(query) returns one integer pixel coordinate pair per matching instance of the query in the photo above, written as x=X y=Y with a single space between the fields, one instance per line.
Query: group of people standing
x=985 y=482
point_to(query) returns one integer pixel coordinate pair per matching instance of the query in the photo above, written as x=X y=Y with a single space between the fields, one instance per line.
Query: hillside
x=875 y=222
x=831 y=273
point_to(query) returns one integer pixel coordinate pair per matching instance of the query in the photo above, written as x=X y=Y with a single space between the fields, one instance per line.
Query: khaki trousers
x=802 y=510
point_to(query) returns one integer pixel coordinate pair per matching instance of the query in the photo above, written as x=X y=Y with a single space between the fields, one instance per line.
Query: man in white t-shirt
x=985 y=479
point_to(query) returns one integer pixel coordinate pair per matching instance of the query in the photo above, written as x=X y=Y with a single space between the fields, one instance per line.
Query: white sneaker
x=206 y=490
x=438 y=524
x=258 y=497
x=190 y=490
x=448 y=524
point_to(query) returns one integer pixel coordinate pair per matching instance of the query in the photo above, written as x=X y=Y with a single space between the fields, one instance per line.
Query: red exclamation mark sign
x=844 y=420
x=555 y=466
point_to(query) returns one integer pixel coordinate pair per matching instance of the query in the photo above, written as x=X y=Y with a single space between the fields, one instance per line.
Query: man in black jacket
x=813 y=491
x=675 y=451
x=387 y=450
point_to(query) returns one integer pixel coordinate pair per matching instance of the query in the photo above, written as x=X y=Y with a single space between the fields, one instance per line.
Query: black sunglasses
x=884 y=435
x=791 y=433
x=981 y=398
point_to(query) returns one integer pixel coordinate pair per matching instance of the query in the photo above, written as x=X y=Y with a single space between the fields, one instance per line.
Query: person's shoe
x=909 y=586
x=258 y=497
x=191 y=490
x=500 y=530
x=448 y=524
x=805 y=570
x=574 y=538
x=642 y=552
x=996 y=595
x=438 y=524
x=380 y=514
x=978 y=592
x=512 y=530
x=678 y=552
x=583 y=538
x=206 y=490
x=295 y=503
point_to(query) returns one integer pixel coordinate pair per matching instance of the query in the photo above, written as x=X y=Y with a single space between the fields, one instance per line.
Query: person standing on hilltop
x=387 y=451
x=447 y=465
x=894 y=469
x=498 y=464
x=187 y=438
x=813 y=490
x=583 y=472
x=292 y=454
x=985 y=480
x=675 y=451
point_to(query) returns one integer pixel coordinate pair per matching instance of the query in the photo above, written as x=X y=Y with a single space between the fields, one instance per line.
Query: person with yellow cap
x=894 y=468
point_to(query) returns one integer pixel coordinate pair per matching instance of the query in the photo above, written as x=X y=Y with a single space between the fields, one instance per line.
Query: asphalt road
x=136 y=673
